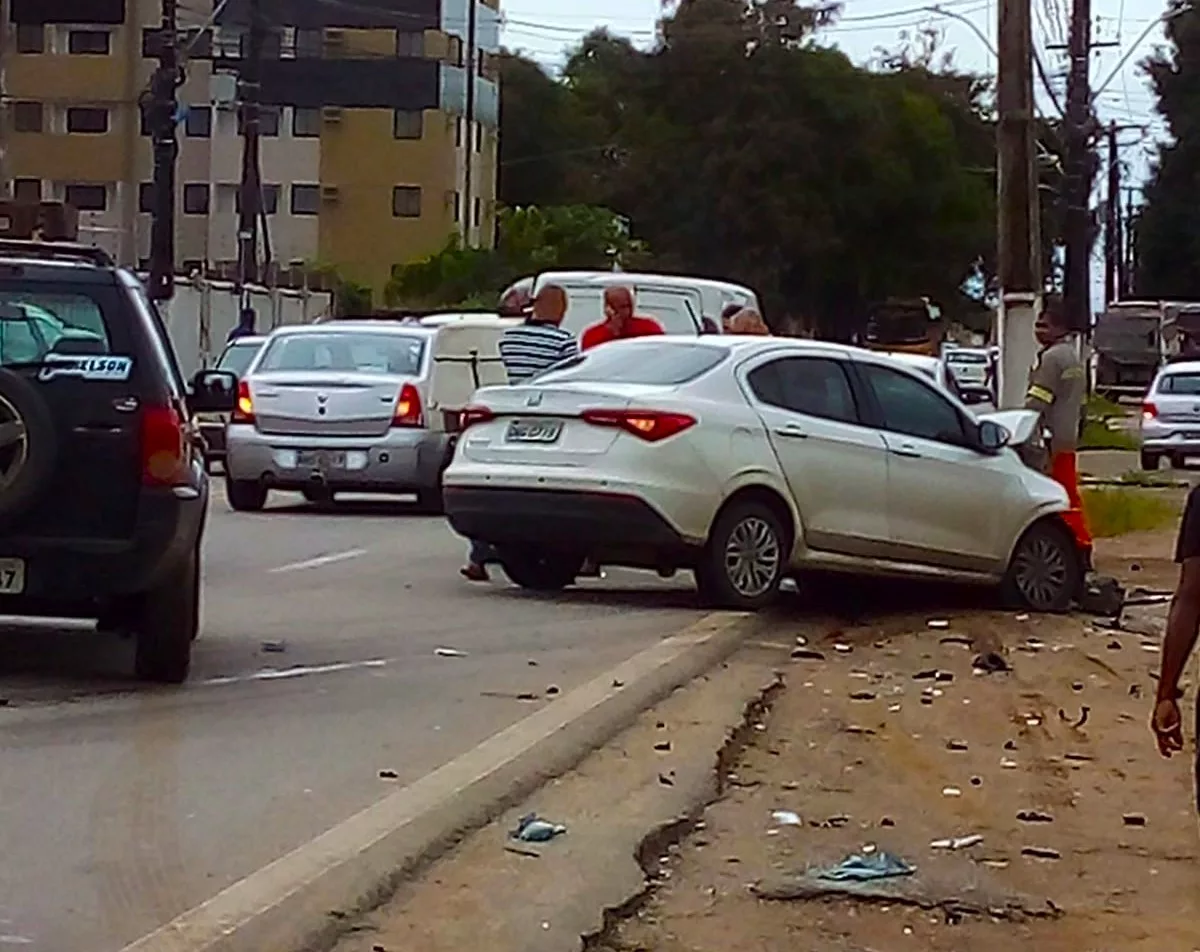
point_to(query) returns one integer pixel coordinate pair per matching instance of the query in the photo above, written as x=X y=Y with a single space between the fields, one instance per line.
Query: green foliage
x=349 y=297
x=1168 y=227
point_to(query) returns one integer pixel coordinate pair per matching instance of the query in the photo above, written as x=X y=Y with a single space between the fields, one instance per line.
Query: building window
x=406 y=201
x=410 y=43
x=478 y=212
x=270 y=199
x=310 y=44
x=199 y=122
x=458 y=206
x=27 y=190
x=268 y=121
x=306 y=199
x=196 y=198
x=27 y=117
x=408 y=124
x=90 y=119
x=86 y=198
x=272 y=45
x=89 y=43
x=146 y=197
x=479 y=137
x=31 y=38
x=458 y=132
x=306 y=123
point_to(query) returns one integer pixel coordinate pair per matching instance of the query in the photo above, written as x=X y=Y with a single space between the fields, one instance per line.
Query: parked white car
x=939 y=371
x=1170 y=422
x=747 y=460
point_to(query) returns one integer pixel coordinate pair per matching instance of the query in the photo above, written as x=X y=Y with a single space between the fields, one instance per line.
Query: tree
x=1168 y=227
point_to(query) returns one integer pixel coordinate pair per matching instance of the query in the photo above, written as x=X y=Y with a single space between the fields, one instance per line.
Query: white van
x=678 y=302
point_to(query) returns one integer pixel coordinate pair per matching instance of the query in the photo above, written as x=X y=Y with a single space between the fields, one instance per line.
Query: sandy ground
x=874 y=751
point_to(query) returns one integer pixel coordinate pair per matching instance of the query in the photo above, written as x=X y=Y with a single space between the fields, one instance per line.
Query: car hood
x=1021 y=424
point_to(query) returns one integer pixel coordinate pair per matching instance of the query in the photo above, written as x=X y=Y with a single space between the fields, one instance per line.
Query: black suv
x=103 y=490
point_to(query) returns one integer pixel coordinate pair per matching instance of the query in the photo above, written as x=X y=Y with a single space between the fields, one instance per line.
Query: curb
x=355 y=866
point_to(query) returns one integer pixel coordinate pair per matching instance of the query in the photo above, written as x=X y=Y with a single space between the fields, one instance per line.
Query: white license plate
x=321 y=459
x=533 y=431
x=12 y=576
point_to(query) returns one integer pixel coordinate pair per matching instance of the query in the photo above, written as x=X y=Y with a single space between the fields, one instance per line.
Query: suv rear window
x=347 y=352
x=665 y=364
x=33 y=323
x=1187 y=384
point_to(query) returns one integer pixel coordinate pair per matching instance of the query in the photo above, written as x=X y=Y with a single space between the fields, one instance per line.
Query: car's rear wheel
x=245 y=495
x=430 y=501
x=166 y=624
x=1150 y=461
x=745 y=558
x=540 y=570
x=317 y=495
x=1046 y=570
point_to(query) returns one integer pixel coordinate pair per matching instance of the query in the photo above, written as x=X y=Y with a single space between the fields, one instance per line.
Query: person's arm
x=1183 y=623
x=1043 y=384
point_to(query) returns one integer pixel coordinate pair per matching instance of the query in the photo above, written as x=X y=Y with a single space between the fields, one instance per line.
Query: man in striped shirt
x=527 y=350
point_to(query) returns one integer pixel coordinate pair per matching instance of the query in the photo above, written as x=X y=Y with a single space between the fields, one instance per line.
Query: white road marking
x=300 y=671
x=320 y=560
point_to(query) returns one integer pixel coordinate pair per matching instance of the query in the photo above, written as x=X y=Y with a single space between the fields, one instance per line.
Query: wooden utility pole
x=472 y=71
x=1018 y=238
x=250 y=188
x=163 y=109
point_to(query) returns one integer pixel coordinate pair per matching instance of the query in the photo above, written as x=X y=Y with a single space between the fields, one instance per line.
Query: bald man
x=619 y=320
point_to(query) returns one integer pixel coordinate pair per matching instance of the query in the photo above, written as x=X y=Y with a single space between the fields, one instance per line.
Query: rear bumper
x=1168 y=438
x=66 y=576
x=399 y=461
x=564 y=520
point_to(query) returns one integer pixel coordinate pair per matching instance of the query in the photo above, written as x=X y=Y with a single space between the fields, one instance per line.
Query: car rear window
x=348 y=352
x=666 y=363
x=237 y=357
x=33 y=323
x=1187 y=384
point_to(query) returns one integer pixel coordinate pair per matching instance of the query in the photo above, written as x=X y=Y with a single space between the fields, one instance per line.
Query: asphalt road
x=124 y=806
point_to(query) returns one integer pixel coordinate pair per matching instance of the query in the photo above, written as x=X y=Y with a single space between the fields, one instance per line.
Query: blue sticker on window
x=86 y=368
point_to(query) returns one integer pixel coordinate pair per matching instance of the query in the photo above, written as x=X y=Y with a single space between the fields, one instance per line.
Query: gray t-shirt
x=1057 y=387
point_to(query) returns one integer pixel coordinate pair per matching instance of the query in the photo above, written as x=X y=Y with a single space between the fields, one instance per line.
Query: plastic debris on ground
x=787 y=818
x=449 y=653
x=860 y=868
x=533 y=829
x=957 y=842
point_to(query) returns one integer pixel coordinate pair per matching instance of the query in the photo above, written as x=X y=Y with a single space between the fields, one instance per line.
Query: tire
x=430 y=501
x=317 y=496
x=1046 y=571
x=245 y=495
x=745 y=558
x=28 y=445
x=1150 y=461
x=167 y=623
x=539 y=570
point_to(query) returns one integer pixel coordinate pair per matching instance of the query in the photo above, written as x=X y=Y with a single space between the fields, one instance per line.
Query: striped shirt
x=532 y=347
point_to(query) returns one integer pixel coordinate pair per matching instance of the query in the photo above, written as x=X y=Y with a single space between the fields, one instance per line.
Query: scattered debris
x=1102 y=596
x=533 y=829
x=944 y=676
x=938 y=624
x=991 y=663
x=863 y=868
x=1114 y=645
x=957 y=745
x=887 y=821
x=1074 y=755
x=835 y=822
x=951 y=792
x=1041 y=852
x=858 y=729
x=1134 y=819
x=1008 y=764
x=1135 y=690
x=928 y=675
x=274 y=647
x=663 y=745
x=1077 y=686
x=956 y=640
x=533 y=854
x=522 y=696
x=552 y=690
x=667 y=779
x=1033 y=816
x=957 y=843
x=618 y=683
x=449 y=653
x=1024 y=616
x=388 y=775
x=807 y=654
x=787 y=818
x=862 y=696
x=976 y=781
x=842 y=648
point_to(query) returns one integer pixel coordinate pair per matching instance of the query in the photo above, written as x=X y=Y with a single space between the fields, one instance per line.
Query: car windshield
x=666 y=363
x=34 y=323
x=237 y=357
x=345 y=351
x=1186 y=384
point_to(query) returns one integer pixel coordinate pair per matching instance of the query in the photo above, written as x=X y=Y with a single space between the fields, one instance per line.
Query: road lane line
x=280 y=903
x=320 y=560
x=299 y=671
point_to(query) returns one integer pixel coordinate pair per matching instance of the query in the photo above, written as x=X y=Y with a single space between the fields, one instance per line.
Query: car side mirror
x=992 y=437
x=213 y=391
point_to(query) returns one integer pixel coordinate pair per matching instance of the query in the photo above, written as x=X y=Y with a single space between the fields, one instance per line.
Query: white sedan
x=746 y=460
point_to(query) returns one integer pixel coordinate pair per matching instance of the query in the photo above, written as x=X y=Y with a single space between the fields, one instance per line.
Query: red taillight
x=649 y=425
x=243 y=410
x=473 y=415
x=1149 y=411
x=164 y=447
x=408 y=408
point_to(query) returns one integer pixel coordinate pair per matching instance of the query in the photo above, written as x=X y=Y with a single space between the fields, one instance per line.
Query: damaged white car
x=746 y=460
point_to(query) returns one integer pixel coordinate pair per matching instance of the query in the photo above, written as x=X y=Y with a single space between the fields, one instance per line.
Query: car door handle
x=906 y=449
x=792 y=430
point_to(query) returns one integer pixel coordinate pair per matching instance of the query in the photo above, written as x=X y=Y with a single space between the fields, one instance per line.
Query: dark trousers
x=481 y=553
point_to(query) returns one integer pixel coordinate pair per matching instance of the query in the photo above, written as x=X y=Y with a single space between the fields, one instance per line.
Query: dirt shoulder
x=874 y=751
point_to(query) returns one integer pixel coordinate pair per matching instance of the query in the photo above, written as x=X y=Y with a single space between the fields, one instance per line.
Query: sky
x=547 y=29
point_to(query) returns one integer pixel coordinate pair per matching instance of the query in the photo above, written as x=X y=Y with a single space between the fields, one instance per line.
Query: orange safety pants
x=1063 y=470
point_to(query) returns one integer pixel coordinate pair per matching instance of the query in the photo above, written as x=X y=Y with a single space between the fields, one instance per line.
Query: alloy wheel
x=1040 y=571
x=752 y=557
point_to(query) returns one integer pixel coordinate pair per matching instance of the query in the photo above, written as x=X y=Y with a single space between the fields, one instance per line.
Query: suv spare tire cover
x=28 y=445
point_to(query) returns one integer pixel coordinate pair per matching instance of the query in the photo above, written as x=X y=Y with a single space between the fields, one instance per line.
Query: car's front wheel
x=541 y=570
x=1150 y=461
x=166 y=624
x=1046 y=570
x=745 y=558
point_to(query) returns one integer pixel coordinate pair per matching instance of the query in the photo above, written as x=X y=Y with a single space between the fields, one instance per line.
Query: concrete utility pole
x=469 y=161
x=250 y=190
x=1019 y=238
x=162 y=116
x=1112 y=223
x=1129 y=261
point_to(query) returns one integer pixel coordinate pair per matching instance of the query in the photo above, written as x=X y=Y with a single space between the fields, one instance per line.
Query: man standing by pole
x=1057 y=388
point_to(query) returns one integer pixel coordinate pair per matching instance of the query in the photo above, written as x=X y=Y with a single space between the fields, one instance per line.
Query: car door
x=678 y=310
x=835 y=466
x=946 y=499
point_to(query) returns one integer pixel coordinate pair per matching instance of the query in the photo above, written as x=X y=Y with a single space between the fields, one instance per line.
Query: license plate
x=321 y=459
x=12 y=576
x=533 y=431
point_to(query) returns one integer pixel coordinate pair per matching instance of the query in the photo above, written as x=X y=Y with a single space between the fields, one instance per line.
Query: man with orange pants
x=1057 y=387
